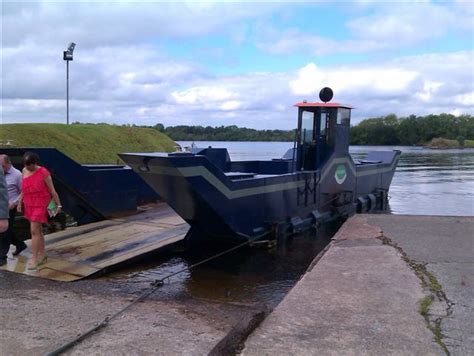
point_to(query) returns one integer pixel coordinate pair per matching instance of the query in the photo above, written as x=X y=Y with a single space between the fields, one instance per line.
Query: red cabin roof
x=322 y=105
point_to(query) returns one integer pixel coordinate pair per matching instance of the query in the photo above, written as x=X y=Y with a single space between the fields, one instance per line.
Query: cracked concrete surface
x=360 y=298
x=446 y=246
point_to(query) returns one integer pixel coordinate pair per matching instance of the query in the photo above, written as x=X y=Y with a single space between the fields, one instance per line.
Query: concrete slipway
x=363 y=296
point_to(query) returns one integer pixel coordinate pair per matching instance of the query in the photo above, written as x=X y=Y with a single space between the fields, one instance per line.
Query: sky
x=233 y=63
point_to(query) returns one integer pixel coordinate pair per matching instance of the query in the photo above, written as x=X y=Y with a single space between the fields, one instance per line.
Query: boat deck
x=85 y=250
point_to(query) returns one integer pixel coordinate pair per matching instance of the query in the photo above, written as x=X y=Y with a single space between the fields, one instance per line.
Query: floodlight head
x=67 y=54
x=71 y=46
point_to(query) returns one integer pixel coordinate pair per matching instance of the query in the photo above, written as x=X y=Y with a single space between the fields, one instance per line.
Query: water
x=426 y=182
x=431 y=182
x=247 y=276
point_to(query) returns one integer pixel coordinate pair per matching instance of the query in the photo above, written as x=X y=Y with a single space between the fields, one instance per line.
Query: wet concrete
x=189 y=315
x=37 y=316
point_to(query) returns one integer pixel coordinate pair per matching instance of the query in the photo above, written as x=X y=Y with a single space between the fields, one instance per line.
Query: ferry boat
x=316 y=181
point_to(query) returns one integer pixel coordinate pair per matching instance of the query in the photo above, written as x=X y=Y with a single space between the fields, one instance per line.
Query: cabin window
x=307 y=123
x=343 y=116
x=323 y=123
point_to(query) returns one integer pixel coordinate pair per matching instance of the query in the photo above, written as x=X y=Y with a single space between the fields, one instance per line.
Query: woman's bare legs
x=37 y=242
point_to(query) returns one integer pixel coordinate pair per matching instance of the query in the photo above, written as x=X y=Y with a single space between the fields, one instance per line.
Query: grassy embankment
x=441 y=143
x=87 y=143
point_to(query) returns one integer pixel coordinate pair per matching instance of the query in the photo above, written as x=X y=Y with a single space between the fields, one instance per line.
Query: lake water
x=426 y=182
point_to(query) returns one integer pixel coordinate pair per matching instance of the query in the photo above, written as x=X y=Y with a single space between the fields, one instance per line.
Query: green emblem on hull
x=340 y=174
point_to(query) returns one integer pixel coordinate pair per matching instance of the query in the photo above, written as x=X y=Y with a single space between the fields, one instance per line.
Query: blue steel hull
x=220 y=204
x=89 y=193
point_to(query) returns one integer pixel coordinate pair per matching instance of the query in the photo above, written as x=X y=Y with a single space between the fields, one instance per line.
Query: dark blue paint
x=201 y=185
x=90 y=192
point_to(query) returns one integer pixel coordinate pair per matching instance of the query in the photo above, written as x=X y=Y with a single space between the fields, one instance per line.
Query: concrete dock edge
x=359 y=297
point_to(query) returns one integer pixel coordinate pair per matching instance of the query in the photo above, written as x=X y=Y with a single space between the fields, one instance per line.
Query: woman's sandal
x=32 y=267
x=43 y=260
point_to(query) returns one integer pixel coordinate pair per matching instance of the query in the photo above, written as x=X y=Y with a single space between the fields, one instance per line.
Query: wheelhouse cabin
x=323 y=128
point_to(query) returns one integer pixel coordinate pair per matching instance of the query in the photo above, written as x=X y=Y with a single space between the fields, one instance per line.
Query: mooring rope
x=155 y=285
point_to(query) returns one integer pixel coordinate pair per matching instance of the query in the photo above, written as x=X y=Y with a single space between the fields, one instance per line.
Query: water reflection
x=246 y=276
x=431 y=182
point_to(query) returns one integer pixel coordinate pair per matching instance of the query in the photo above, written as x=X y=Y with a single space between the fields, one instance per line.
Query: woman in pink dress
x=37 y=190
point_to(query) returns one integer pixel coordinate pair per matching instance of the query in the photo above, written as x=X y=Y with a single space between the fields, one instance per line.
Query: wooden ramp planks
x=81 y=251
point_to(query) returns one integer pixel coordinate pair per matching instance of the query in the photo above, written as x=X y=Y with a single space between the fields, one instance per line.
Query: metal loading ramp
x=82 y=251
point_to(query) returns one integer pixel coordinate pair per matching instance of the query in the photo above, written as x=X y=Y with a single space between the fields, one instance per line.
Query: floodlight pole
x=67 y=56
x=67 y=92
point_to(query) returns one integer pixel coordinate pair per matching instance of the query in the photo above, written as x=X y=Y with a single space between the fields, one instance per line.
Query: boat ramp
x=82 y=251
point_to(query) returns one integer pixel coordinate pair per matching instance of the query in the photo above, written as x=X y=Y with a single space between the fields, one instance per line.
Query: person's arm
x=49 y=182
x=4 y=213
x=19 y=207
x=18 y=181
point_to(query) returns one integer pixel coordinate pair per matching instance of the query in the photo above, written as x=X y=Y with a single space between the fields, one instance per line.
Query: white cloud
x=230 y=105
x=404 y=24
x=389 y=28
x=120 y=23
x=383 y=81
x=418 y=85
x=465 y=99
x=202 y=95
x=456 y=112
x=429 y=90
x=122 y=74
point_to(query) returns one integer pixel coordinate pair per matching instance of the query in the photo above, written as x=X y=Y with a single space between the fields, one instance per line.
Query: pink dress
x=36 y=196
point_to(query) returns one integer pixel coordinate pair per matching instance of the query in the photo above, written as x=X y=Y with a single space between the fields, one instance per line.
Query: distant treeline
x=386 y=130
x=412 y=130
x=223 y=133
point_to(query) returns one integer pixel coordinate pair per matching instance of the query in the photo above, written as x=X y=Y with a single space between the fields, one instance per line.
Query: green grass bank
x=87 y=143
